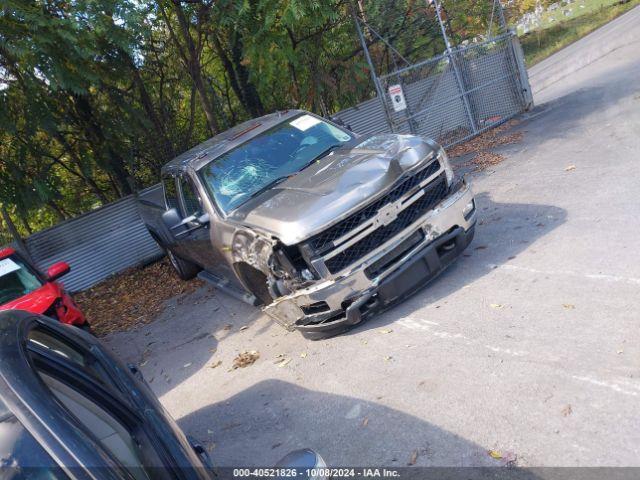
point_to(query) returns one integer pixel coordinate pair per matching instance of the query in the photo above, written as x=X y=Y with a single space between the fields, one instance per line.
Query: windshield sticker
x=7 y=266
x=305 y=122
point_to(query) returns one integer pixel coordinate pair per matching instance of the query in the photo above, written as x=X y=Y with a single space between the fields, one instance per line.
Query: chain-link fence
x=444 y=70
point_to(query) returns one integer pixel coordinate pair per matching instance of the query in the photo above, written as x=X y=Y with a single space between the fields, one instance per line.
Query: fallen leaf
x=385 y=330
x=387 y=358
x=245 y=359
x=286 y=362
x=569 y=168
x=365 y=422
x=566 y=411
x=303 y=355
x=619 y=352
x=141 y=294
x=497 y=306
x=568 y=306
x=414 y=458
x=243 y=328
x=495 y=454
x=216 y=364
x=187 y=365
x=279 y=360
x=227 y=326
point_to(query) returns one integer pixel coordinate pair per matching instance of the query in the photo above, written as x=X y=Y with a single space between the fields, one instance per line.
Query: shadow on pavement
x=259 y=425
x=503 y=231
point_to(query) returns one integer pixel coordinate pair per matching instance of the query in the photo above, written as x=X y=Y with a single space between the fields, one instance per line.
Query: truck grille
x=434 y=193
x=324 y=241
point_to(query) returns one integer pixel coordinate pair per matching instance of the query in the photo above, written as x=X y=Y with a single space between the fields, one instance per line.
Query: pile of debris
x=133 y=297
x=482 y=144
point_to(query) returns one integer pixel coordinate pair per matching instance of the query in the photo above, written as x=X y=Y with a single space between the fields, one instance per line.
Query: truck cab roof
x=226 y=141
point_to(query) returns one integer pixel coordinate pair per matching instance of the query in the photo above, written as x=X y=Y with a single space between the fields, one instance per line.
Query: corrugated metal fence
x=96 y=244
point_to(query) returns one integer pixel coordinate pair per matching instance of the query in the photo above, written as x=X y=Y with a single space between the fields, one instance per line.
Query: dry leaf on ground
x=365 y=422
x=385 y=330
x=497 y=306
x=413 y=458
x=133 y=297
x=495 y=454
x=216 y=364
x=285 y=362
x=568 y=306
x=566 y=411
x=245 y=359
x=481 y=145
x=569 y=168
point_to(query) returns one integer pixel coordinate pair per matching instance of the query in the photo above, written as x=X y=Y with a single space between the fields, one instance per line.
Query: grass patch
x=540 y=44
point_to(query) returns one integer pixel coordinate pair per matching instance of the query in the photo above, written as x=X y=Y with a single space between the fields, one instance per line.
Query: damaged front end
x=404 y=232
x=320 y=303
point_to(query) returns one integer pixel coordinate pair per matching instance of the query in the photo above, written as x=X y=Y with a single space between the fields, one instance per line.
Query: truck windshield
x=279 y=152
x=16 y=279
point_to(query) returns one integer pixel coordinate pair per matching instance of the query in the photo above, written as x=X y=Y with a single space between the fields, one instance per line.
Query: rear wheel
x=185 y=270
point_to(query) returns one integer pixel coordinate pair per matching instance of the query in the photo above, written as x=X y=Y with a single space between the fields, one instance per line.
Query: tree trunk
x=17 y=238
x=111 y=160
x=239 y=77
x=191 y=59
x=149 y=109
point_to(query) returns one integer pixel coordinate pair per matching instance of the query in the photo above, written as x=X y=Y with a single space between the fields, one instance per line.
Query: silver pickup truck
x=319 y=226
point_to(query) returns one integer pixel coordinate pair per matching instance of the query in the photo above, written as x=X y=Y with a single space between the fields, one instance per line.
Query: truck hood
x=335 y=186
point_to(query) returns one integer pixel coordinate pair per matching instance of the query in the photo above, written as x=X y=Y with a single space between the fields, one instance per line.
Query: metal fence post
x=525 y=87
x=456 y=72
x=372 y=68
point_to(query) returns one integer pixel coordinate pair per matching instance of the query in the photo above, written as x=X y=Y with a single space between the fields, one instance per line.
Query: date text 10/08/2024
x=333 y=473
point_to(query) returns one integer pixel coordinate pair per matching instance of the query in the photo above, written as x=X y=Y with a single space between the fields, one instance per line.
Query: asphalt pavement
x=527 y=348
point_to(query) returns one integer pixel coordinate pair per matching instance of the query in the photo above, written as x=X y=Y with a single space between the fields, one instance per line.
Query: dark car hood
x=335 y=186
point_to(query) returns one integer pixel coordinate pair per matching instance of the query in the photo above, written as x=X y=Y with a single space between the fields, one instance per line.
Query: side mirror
x=171 y=218
x=302 y=460
x=192 y=222
x=57 y=270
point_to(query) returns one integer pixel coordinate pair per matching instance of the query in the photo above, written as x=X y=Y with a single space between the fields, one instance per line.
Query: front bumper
x=333 y=305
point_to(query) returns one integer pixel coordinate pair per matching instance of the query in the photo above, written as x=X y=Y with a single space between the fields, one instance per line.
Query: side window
x=59 y=348
x=170 y=192
x=190 y=198
x=77 y=379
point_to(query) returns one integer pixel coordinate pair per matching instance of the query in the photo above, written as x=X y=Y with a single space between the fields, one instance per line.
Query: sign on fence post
x=397 y=98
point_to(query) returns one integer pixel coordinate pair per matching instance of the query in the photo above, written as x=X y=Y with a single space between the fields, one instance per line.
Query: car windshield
x=16 y=279
x=279 y=152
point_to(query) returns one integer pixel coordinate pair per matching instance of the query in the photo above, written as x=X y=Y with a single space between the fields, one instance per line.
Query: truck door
x=196 y=244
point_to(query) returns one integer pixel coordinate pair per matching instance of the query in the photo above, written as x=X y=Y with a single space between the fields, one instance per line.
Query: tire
x=86 y=326
x=185 y=270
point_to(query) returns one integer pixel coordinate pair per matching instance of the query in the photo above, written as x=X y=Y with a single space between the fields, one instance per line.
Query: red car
x=23 y=287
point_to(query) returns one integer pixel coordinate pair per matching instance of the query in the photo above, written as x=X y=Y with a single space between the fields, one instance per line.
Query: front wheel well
x=254 y=281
